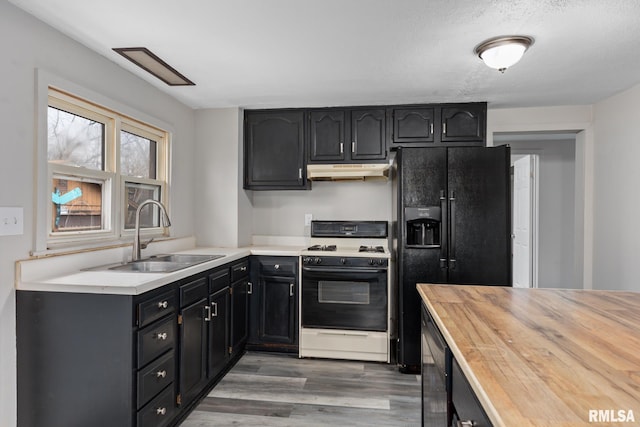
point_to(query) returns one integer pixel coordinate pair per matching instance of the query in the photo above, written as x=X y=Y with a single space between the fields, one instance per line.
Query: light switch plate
x=11 y=221
x=307 y=219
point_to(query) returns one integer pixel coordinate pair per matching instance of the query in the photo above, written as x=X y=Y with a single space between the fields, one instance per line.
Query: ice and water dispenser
x=423 y=226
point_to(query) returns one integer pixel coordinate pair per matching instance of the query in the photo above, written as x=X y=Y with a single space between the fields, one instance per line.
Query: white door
x=523 y=221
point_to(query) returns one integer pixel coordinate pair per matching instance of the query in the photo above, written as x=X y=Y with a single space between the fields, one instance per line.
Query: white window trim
x=42 y=244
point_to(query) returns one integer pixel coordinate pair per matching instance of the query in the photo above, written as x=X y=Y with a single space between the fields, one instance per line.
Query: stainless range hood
x=348 y=172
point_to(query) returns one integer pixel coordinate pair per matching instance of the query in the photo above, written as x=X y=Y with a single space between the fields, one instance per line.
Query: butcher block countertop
x=544 y=357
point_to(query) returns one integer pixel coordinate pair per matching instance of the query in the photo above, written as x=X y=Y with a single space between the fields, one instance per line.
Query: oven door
x=344 y=298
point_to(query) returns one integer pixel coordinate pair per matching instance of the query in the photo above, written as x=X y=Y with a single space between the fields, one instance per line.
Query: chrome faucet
x=137 y=246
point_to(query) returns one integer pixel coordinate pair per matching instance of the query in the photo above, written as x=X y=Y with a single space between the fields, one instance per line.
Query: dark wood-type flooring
x=271 y=389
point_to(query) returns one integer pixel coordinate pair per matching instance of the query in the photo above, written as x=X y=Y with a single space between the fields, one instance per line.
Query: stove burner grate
x=378 y=249
x=331 y=248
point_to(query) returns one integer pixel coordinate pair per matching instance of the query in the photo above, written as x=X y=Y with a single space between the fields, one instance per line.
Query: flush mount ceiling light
x=148 y=61
x=503 y=52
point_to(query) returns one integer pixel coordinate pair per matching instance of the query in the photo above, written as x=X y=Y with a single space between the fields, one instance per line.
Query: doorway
x=544 y=208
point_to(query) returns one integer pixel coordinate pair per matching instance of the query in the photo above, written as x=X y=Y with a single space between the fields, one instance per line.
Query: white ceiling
x=295 y=53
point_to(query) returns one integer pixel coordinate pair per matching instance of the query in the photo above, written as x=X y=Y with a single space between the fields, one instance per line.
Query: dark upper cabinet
x=463 y=123
x=452 y=125
x=327 y=135
x=347 y=135
x=413 y=125
x=274 y=150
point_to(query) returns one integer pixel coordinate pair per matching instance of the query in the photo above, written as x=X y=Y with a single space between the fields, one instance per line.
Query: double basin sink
x=160 y=263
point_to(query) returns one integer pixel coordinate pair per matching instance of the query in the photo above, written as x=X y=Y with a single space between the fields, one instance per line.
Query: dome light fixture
x=504 y=51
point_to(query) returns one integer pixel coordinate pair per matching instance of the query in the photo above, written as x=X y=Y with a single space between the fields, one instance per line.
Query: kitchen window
x=100 y=165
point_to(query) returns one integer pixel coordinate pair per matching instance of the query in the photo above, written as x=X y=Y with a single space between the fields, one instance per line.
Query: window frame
x=75 y=100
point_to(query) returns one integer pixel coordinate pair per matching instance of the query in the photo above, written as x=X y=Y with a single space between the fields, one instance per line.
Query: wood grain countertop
x=544 y=357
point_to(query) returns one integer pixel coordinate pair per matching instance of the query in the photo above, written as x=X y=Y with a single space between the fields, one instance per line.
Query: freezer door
x=479 y=203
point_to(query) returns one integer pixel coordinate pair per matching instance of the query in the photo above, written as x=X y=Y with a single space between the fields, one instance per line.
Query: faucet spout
x=165 y=221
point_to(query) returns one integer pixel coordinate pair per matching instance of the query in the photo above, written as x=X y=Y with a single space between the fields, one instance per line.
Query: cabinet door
x=368 y=135
x=278 y=308
x=413 y=125
x=274 y=150
x=463 y=123
x=239 y=314
x=327 y=135
x=193 y=350
x=219 y=331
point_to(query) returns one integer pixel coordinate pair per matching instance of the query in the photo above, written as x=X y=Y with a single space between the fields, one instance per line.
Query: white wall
x=556 y=208
x=282 y=212
x=27 y=45
x=557 y=119
x=617 y=195
x=223 y=209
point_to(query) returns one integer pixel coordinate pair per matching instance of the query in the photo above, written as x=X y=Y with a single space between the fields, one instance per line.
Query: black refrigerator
x=452 y=217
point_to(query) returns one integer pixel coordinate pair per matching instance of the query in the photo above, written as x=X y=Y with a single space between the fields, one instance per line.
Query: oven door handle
x=343 y=270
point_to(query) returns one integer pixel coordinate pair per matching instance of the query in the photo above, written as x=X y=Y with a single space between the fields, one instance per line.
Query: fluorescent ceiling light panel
x=148 y=61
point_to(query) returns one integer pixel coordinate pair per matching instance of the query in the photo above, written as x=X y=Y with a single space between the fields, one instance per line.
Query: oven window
x=343 y=292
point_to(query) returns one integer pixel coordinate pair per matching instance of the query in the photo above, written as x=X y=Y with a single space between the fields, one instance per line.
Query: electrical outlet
x=307 y=219
x=11 y=221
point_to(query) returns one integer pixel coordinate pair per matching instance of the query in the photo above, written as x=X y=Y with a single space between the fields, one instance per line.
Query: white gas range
x=346 y=302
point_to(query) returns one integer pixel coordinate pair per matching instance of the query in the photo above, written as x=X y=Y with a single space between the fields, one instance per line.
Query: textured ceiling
x=293 y=53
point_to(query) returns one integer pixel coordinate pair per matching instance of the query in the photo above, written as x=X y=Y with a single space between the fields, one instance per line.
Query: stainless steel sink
x=145 y=266
x=184 y=258
x=159 y=263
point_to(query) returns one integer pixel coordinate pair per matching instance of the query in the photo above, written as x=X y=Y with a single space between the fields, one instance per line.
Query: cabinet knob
x=161 y=336
x=163 y=304
x=161 y=374
x=277 y=266
x=161 y=411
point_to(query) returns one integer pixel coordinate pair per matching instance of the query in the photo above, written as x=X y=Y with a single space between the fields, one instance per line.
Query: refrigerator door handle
x=452 y=230
x=443 y=243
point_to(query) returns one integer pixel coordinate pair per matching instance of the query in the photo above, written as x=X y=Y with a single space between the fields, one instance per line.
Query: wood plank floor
x=269 y=389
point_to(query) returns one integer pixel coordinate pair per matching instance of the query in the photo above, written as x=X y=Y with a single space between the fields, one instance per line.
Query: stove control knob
x=318 y=260
x=371 y=261
x=380 y=261
x=343 y=261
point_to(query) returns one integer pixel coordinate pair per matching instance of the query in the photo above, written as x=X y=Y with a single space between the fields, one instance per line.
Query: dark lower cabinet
x=193 y=338
x=239 y=306
x=128 y=360
x=447 y=396
x=273 y=314
x=220 y=321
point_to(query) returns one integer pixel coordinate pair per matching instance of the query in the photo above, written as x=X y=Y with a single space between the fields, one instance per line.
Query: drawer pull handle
x=207 y=317
x=161 y=336
x=466 y=423
x=250 y=288
x=161 y=374
x=243 y=268
x=215 y=309
x=161 y=411
x=163 y=304
x=277 y=266
x=291 y=289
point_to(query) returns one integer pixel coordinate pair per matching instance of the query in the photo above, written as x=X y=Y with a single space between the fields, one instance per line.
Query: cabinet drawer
x=239 y=270
x=156 y=307
x=464 y=399
x=160 y=411
x=155 y=377
x=218 y=280
x=277 y=267
x=193 y=291
x=155 y=340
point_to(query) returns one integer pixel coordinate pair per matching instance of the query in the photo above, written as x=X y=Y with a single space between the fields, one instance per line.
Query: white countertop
x=31 y=276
